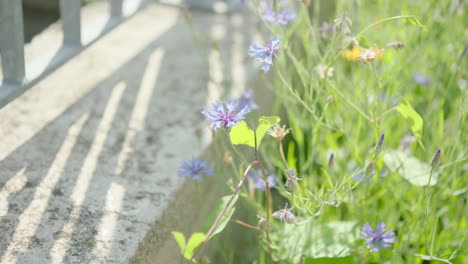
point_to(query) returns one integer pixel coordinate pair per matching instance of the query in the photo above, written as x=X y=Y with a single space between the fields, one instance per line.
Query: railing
x=19 y=76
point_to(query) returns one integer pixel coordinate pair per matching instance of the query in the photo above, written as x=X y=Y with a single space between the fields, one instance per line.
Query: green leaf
x=264 y=123
x=180 y=239
x=345 y=260
x=410 y=168
x=226 y=217
x=314 y=240
x=411 y=116
x=195 y=240
x=241 y=134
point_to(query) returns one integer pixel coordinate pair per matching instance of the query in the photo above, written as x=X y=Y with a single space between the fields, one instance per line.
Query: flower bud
x=290 y=172
x=285 y=215
x=292 y=183
x=378 y=147
x=436 y=160
x=331 y=161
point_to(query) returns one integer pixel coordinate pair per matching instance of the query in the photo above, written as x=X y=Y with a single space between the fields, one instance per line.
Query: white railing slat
x=70 y=13
x=12 y=41
x=116 y=7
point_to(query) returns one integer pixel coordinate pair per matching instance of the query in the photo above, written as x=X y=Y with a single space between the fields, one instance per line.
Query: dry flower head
x=278 y=132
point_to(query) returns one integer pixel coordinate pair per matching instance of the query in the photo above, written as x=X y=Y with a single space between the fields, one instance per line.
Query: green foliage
x=412 y=117
x=345 y=260
x=346 y=112
x=187 y=249
x=410 y=168
x=226 y=217
x=314 y=240
x=241 y=134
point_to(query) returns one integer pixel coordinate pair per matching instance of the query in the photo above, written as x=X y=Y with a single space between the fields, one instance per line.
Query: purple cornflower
x=282 y=17
x=247 y=100
x=225 y=114
x=193 y=168
x=421 y=79
x=377 y=239
x=258 y=181
x=265 y=54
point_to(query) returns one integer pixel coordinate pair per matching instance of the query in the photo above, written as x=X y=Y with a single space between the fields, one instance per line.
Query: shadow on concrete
x=111 y=183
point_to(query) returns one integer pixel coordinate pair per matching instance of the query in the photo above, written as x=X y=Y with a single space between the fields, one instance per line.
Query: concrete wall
x=89 y=155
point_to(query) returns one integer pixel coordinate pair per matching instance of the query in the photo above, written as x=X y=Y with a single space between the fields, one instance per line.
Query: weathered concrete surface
x=89 y=155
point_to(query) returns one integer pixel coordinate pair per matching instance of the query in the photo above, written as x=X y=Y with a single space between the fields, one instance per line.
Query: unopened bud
x=292 y=181
x=436 y=160
x=331 y=161
x=378 y=147
x=396 y=45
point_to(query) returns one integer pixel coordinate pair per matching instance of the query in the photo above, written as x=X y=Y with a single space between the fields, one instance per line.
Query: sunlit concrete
x=89 y=155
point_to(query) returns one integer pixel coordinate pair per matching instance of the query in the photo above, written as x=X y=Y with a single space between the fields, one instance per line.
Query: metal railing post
x=70 y=13
x=12 y=41
x=116 y=7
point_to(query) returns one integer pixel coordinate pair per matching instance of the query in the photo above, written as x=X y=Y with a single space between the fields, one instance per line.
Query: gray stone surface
x=89 y=155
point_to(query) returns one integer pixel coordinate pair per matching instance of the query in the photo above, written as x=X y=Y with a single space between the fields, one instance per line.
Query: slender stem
x=268 y=198
x=386 y=112
x=307 y=107
x=376 y=75
x=351 y=104
x=427 y=208
x=376 y=96
x=245 y=224
x=282 y=153
x=218 y=219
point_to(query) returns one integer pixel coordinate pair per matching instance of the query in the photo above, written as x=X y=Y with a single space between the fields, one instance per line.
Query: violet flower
x=259 y=183
x=377 y=239
x=265 y=54
x=194 y=168
x=282 y=17
x=225 y=114
x=247 y=100
x=421 y=79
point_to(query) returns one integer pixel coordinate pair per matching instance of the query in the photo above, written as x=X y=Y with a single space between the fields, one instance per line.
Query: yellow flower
x=353 y=54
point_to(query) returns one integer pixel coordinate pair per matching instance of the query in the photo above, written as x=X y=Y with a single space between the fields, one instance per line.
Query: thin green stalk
x=283 y=158
x=361 y=112
x=428 y=197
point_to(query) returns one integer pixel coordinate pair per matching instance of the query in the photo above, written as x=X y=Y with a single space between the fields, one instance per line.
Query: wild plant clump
x=364 y=157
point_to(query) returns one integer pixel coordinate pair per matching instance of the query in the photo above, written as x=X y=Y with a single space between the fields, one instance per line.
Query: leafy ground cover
x=372 y=161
